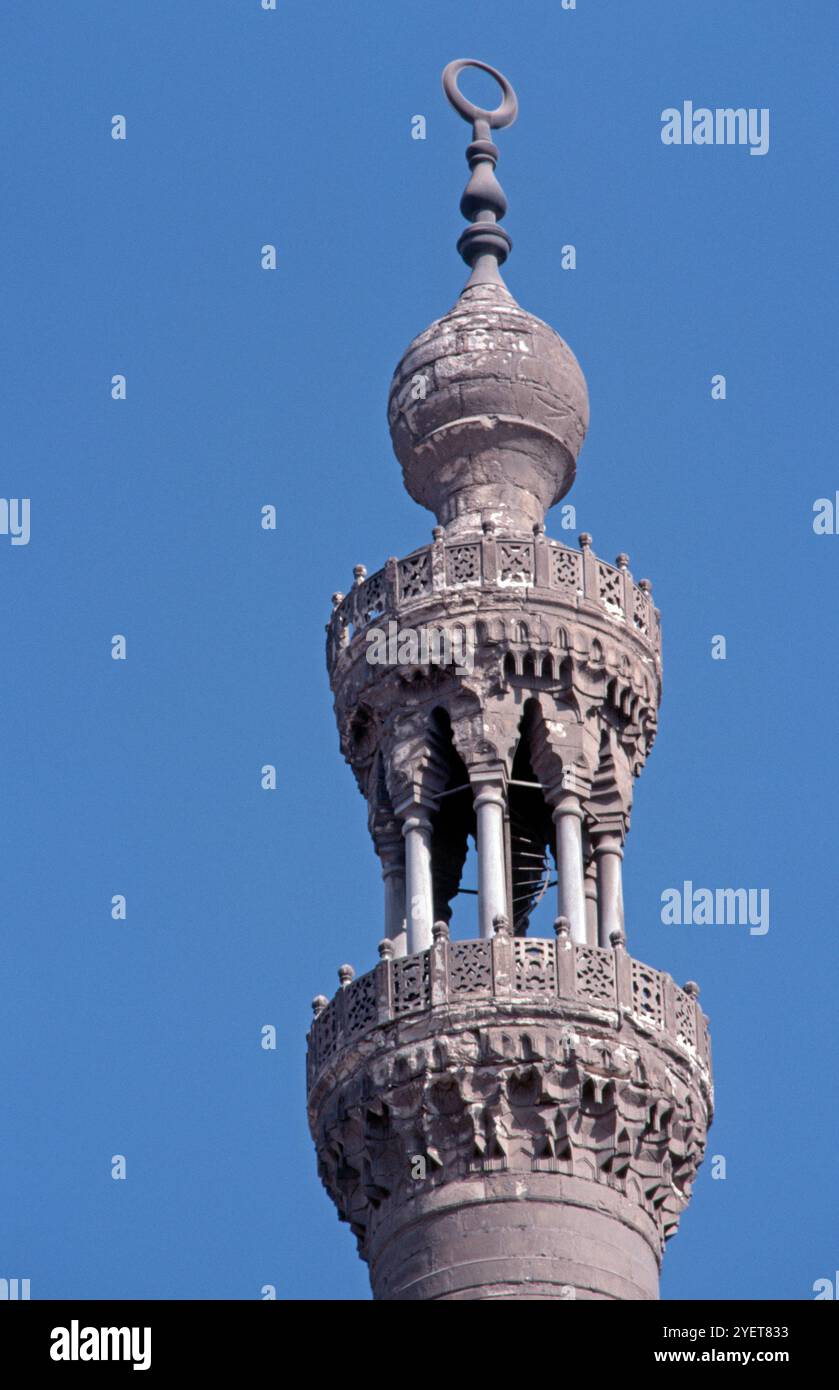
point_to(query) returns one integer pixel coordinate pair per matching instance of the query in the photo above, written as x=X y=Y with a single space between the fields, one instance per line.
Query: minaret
x=506 y=1117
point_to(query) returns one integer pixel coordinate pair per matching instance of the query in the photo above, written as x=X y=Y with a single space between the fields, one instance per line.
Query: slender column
x=609 y=854
x=567 y=817
x=492 y=879
x=419 y=897
x=591 y=901
x=392 y=854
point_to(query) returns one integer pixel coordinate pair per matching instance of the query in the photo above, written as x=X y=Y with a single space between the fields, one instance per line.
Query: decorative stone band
x=507 y=970
x=510 y=1118
x=495 y=563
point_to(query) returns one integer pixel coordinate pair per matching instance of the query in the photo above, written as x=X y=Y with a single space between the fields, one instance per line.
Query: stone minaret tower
x=508 y=1116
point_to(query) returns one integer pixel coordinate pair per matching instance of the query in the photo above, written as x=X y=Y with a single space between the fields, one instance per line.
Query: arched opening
x=452 y=826
x=530 y=832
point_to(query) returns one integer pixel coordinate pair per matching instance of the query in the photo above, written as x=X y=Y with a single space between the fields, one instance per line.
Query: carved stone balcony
x=490 y=572
x=512 y=972
x=550 y=1100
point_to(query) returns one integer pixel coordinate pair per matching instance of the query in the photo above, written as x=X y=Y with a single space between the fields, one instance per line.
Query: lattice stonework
x=470 y=967
x=326 y=1032
x=410 y=983
x=535 y=968
x=515 y=562
x=609 y=586
x=685 y=1019
x=595 y=973
x=463 y=564
x=706 y=1041
x=647 y=1000
x=361 y=1002
x=641 y=613
x=565 y=568
x=370 y=601
x=415 y=576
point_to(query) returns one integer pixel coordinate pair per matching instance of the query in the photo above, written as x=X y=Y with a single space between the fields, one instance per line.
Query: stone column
x=571 y=901
x=591 y=901
x=419 y=897
x=392 y=855
x=609 y=853
x=492 y=878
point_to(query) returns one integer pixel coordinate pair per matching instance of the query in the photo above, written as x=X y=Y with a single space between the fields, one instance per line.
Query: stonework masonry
x=508 y=1116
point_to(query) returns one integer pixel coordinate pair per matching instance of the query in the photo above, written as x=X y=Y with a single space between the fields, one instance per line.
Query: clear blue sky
x=247 y=387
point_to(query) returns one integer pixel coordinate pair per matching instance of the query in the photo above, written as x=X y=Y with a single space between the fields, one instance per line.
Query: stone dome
x=488 y=410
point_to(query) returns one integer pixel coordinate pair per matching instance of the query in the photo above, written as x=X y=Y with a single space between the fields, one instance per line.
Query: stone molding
x=510 y=1057
x=505 y=970
x=493 y=566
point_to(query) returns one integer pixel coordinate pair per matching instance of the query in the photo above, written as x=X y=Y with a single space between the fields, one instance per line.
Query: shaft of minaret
x=505 y=1115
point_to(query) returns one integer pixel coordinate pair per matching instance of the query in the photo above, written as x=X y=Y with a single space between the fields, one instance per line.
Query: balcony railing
x=498 y=563
x=509 y=970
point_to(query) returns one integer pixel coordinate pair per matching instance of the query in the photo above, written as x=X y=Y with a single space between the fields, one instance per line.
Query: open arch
x=453 y=818
x=530 y=828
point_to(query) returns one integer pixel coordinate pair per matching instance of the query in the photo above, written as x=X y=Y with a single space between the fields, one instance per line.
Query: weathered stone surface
x=508 y=1117
x=556 y=638
x=488 y=410
x=533 y=1133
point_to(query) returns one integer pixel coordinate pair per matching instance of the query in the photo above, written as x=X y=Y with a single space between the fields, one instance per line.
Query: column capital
x=388 y=845
x=489 y=794
x=414 y=814
x=607 y=839
x=568 y=804
x=571 y=788
x=493 y=776
x=606 y=821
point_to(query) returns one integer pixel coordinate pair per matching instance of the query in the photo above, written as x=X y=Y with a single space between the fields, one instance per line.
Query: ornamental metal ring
x=503 y=115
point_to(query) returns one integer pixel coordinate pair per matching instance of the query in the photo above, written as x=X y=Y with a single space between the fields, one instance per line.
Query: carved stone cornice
x=586 y=647
x=488 y=573
x=478 y=1058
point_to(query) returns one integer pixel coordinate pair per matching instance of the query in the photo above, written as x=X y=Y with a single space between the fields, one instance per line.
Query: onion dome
x=488 y=407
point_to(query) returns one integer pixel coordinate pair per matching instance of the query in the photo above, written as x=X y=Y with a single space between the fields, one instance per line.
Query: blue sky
x=247 y=387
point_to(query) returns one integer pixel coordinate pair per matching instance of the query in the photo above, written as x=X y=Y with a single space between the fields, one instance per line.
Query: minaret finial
x=483 y=245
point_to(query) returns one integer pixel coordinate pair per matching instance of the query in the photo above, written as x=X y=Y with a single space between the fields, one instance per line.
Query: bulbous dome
x=488 y=410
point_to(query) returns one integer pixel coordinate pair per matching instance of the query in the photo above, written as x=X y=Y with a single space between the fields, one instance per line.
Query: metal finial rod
x=483 y=245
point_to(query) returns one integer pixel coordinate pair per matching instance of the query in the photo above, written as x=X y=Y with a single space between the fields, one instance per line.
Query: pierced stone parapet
x=519 y=970
x=551 y=1100
x=494 y=565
